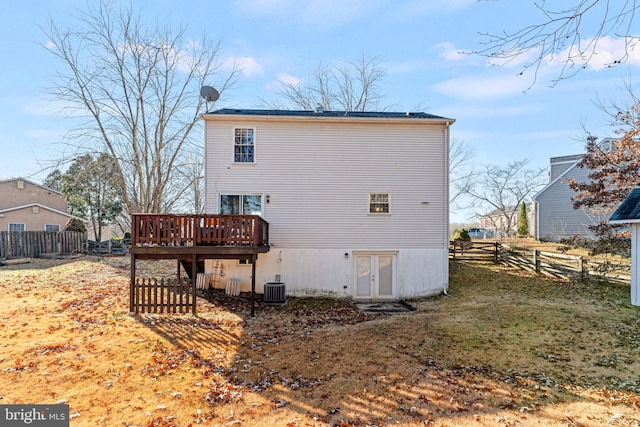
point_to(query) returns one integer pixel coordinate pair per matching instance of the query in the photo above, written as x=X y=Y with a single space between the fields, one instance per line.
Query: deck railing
x=198 y=230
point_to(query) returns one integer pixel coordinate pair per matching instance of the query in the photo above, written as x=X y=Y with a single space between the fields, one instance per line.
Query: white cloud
x=605 y=52
x=312 y=14
x=600 y=54
x=288 y=79
x=449 y=52
x=248 y=65
x=415 y=8
x=282 y=78
x=469 y=111
x=519 y=61
x=407 y=66
x=482 y=86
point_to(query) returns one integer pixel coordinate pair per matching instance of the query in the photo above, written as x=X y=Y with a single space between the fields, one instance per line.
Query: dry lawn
x=503 y=348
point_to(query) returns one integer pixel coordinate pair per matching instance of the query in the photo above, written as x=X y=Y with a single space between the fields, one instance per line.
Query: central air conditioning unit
x=274 y=293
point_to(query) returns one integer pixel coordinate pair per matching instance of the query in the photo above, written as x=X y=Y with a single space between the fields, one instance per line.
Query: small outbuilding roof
x=629 y=209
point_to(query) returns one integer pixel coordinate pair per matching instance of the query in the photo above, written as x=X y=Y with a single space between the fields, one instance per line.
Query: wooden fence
x=475 y=251
x=551 y=264
x=30 y=244
x=163 y=296
x=609 y=271
x=572 y=267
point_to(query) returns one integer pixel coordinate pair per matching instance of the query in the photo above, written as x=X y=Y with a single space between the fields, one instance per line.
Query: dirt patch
x=502 y=348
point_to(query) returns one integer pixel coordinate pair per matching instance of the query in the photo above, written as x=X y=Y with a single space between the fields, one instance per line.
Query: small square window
x=244 y=262
x=52 y=228
x=379 y=203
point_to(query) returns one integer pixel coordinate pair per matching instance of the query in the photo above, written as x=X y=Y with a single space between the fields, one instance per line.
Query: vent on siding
x=275 y=293
x=35 y=209
x=20 y=184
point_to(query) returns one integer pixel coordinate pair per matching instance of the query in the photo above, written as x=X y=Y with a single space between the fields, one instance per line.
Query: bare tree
x=192 y=173
x=137 y=90
x=350 y=86
x=461 y=170
x=560 y=31
x=503 y=189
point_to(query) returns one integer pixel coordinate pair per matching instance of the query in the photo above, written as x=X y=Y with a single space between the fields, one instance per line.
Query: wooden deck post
x=254 y=260
x=194 y=275
x=132 y=285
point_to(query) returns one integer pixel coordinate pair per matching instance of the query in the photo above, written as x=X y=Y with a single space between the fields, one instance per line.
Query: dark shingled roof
x=629 y=209
x=322 y=113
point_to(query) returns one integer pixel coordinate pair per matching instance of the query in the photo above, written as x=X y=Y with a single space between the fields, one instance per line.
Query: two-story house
x=555 y=216
x=356 y=202
x=27 y=206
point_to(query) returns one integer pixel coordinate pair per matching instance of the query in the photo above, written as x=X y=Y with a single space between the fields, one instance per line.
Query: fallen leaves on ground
x=504 y=348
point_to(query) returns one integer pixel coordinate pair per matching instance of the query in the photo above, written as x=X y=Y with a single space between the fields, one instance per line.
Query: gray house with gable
x=555 y=217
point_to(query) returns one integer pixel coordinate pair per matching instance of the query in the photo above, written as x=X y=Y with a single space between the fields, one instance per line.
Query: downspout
x=536 y=218
x=447 y=207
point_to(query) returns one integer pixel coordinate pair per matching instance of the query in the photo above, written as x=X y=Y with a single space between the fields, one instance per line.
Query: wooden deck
x=152 y=230
x=192 y=239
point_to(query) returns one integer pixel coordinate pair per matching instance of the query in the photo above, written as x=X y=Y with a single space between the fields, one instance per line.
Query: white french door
x=375 y=275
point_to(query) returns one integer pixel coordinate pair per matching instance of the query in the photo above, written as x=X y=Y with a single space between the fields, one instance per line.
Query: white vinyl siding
x=317 y=175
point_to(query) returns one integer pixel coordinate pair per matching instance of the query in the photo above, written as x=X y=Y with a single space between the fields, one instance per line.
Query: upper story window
x=379 y=203
x=17 y=227
x=52 y=227
x=244 y=148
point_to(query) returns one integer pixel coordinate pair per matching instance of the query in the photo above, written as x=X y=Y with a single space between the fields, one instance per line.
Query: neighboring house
x=27 y=206
x=497 y=222
x=555 y=216
x=357 y=203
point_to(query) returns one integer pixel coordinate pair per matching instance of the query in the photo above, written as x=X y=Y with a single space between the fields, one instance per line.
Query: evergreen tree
x=92 y=190
x=54 y=180
x=523 y=221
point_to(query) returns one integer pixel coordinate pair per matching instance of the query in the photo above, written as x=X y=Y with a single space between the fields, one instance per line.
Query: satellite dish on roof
x=209 y=94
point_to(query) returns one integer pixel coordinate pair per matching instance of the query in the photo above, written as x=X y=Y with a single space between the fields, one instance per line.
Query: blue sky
x=418 y=42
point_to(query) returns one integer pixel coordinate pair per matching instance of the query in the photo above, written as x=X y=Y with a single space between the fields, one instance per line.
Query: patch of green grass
x=570 y=331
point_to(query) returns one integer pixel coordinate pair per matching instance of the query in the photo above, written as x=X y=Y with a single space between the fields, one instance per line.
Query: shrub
x=461 y=234
x=75 y=224
x=607 y=240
